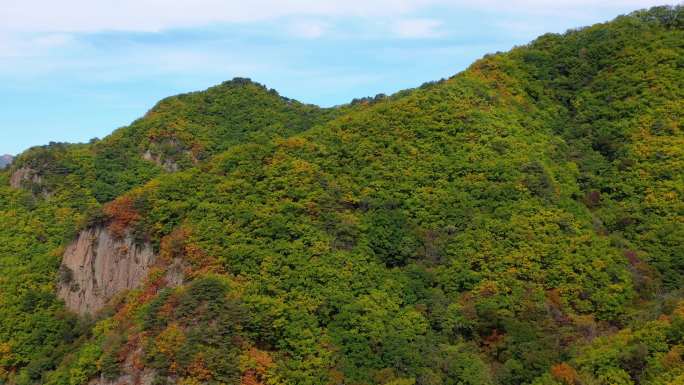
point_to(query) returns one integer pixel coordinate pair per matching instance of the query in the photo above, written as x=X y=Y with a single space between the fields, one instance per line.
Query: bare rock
x=166 y=164
x=98 y=265
x=25 y=176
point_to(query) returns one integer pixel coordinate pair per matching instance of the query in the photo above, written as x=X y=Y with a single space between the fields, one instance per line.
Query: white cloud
x=308 y=29
x=417 y=28
x=155 y=15
x=52 y=40
x=12 y=45
x=561 y=8
x=546 y=4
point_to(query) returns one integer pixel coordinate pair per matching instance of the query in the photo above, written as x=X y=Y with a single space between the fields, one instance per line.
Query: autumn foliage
x=517 y=223
x=564 y=373
x=256 y=364
x=122 y=214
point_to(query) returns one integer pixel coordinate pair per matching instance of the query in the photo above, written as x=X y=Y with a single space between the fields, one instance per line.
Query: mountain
x=519 y=223
x=175 y=134
x=5 y=160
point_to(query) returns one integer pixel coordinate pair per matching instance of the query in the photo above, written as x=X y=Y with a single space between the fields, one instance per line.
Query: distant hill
x=521 y=222
x=5 y=160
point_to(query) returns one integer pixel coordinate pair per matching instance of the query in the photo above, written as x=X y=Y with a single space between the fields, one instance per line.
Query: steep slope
x=622 y=90
x=99 y=265
x=518 y=223
x=53 y=192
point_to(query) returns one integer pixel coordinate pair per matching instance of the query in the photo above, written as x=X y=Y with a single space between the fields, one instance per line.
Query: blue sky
x=71 y=70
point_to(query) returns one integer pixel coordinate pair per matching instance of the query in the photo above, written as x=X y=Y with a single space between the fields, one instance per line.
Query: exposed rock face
x=98 y=265
x=169 y=153
x=23 y=176
x=167 y=164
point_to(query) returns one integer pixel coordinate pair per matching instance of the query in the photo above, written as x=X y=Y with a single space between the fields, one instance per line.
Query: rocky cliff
x=25 y=177
x=99 y=265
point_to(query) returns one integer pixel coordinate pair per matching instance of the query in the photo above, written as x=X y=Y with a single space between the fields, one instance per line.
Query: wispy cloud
x=32 y=44
x=418 y=28
x=156 y=15
x=308 y=29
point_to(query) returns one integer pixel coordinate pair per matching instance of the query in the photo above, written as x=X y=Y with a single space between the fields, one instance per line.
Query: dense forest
x=521 y=222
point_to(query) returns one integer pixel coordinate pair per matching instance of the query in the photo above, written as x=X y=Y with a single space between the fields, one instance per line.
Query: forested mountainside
x=178 y=133
x=519 y=223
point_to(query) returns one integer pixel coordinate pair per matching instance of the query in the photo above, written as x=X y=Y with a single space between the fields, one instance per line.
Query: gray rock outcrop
x=25 y=176
x=98 y=265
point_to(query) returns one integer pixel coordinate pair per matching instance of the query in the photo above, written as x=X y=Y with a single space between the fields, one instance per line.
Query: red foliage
x=122 y=214
x=249 y=378
x=154 y=282
x=564 y=373
x=198 y=369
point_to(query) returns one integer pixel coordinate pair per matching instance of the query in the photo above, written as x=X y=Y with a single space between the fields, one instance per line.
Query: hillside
x=519 y=223
x=176 y=134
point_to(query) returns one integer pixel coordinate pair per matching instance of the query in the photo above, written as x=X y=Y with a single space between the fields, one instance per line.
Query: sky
x=72 y=70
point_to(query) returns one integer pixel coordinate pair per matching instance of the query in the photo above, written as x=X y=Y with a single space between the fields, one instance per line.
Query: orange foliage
x=178 y=245
x=154 y=282
x=150 y=288
x=122 y=214
x=673 y=358
x=554 y=298
x=173 y=245
x=198 y=368
x=262 y=359
x=679 y=310
x=336 y=377
x=249 y=378
x=167 y=309
x=564 y=373
x=259 y=362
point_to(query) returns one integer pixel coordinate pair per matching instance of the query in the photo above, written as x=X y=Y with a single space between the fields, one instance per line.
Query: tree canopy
x=519 y=223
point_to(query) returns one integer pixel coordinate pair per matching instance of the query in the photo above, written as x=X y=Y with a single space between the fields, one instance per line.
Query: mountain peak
x=6 y=160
